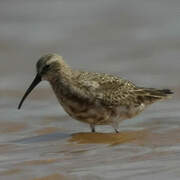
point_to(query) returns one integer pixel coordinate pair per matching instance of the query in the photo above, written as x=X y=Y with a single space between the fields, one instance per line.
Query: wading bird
x=94 y=98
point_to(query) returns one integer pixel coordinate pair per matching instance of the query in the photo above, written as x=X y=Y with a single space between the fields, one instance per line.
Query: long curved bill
x=35 y=82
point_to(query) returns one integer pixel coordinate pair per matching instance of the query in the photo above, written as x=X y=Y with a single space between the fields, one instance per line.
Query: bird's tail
x=151 y=95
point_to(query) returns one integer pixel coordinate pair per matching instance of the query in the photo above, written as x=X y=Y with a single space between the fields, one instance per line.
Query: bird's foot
x=92 y=126
x=115 y=126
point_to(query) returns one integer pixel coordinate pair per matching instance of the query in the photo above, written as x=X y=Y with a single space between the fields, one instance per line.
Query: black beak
x=35 y=82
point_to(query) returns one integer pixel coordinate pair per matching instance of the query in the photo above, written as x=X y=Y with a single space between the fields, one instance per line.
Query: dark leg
x=117 y=131
x=92 y=126
x=115 y=125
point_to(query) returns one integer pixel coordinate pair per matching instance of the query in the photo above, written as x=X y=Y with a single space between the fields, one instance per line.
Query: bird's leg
x=115 y=125
x=92 y=126
x=116 y=130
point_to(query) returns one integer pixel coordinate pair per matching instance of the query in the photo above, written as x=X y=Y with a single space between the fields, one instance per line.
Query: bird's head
x=47 y=66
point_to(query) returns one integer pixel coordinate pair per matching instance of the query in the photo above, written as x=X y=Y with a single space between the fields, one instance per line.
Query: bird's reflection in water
x=109 y=138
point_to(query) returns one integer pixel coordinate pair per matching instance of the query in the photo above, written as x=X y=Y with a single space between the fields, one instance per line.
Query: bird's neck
x=61 y=81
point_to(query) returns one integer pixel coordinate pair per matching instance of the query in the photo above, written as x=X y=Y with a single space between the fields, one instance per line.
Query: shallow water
x=138 y=40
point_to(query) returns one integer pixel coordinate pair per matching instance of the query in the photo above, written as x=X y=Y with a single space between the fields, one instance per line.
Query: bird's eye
x=46 y=67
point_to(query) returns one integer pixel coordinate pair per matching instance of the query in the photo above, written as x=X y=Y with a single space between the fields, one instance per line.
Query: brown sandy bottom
x=91 y=155
x=11 y=127
x=142 y=138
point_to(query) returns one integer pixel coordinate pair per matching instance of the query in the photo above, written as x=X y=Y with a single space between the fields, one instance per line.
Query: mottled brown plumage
x=94 y=98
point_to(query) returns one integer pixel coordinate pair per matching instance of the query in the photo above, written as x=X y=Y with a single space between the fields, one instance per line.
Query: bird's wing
x=108 y=89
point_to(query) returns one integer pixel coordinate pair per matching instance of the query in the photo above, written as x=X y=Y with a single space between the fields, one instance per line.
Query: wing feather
x=107 y=89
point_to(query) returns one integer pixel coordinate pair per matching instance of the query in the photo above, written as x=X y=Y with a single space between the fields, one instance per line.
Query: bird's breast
x=86 y=111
